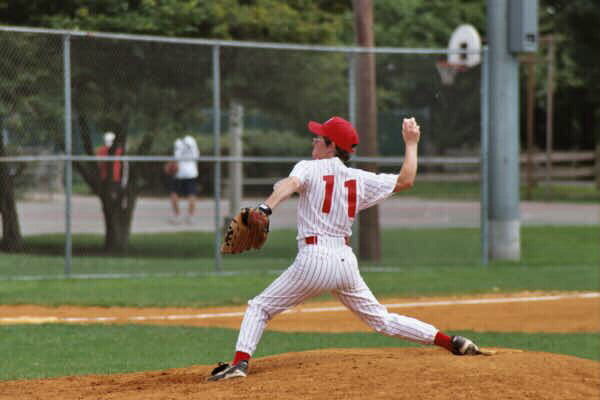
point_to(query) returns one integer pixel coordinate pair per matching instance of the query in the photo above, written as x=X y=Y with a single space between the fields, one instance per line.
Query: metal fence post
x=68 y=152
x=484 y=179
x=217 y=151
x=352 y=116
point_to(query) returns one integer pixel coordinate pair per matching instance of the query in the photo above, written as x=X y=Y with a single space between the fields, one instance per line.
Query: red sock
x=443 y=340
x=240 y=356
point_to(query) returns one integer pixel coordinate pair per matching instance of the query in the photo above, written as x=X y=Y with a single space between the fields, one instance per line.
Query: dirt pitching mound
x=413 y=373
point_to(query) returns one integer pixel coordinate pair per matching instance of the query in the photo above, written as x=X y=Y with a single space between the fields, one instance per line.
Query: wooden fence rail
x=563 y=166
x=572 y=165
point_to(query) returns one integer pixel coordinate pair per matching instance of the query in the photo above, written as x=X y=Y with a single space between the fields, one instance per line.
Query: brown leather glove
x=249 y=229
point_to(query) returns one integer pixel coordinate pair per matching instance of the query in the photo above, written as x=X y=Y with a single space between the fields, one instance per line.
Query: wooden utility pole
x=531 y=61
x=549 y=111
x=370 y=246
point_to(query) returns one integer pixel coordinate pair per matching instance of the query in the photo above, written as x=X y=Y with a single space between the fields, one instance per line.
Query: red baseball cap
x=338 y=130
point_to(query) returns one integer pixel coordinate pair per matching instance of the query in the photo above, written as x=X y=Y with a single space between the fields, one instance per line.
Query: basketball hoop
x=465 y=53
x=448 y=71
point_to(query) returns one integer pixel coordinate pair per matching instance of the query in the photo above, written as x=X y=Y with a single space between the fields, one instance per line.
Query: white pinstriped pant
x=329 y=266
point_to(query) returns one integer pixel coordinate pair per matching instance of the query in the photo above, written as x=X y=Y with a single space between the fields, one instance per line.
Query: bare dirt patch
x=409 y=373
x=554 y=315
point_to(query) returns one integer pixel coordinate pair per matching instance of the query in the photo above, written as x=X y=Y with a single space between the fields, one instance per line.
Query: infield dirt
x=408 y=373
x=395 y=373
x=558 y=314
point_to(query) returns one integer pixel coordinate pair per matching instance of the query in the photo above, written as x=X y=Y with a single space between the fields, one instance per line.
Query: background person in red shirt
x=115 y=173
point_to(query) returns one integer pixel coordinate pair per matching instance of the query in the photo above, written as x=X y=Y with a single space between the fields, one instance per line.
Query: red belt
x=314 y=240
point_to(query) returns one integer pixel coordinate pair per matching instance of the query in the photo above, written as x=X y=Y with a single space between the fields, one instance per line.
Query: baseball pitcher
x=330 y=196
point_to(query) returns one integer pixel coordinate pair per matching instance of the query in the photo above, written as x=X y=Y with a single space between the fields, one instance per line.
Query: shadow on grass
x=163 y=245
x=541 y=246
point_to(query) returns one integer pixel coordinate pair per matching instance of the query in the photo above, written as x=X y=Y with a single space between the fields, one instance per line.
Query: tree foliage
x=147 y=89
x=410 y=84
x=577 y=97
x=420 y=23
x=30 y=100
x=298 y=21
x=407 y=23
x=424 y=24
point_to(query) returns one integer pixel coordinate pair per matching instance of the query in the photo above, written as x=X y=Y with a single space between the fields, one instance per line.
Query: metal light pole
x=504 y=216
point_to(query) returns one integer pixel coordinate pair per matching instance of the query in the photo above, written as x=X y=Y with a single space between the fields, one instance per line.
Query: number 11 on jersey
x=351 y=198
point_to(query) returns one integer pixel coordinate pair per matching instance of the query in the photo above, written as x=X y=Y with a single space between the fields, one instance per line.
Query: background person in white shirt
x=184 y=183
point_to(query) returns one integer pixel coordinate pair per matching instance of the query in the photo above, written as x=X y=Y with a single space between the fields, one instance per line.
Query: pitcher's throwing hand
x=411 y=132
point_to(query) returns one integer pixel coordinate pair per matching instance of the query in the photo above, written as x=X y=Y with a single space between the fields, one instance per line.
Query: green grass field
x=554 y=258
x=557 y=192
x=214 y=290
x=193 y=252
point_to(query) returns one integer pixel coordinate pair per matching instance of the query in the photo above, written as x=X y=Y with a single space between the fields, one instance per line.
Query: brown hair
x=340 y=153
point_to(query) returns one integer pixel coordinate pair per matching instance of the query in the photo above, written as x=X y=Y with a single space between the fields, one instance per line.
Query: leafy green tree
x=422 y=23
x=410 y=84
x=128 y=88
x=139 y=91
x=296 y=21
x=30 y=106
x=577 y=95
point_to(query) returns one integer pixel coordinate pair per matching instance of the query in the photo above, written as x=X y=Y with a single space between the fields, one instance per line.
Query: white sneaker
x=226 y=371
x=189 y=220
x=461 y=346
x=175 y=220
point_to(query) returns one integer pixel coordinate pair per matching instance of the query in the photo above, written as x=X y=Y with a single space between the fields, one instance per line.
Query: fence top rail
x=424 y=160
x=233 y=43
x=431 y=160
x=561 y=156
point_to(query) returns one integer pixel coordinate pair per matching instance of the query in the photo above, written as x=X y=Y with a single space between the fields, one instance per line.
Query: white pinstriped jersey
x=332 y=194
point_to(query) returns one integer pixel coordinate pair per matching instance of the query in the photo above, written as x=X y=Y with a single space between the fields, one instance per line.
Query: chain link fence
x=71 y=206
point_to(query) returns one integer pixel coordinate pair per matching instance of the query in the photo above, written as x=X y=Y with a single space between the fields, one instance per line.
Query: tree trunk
x=117 y=209
x=370 y=247
x=12 y=240
x=11 y=232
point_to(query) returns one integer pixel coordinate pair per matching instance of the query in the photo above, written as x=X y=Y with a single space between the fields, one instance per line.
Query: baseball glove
x=170 y=168
x=249 y=229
